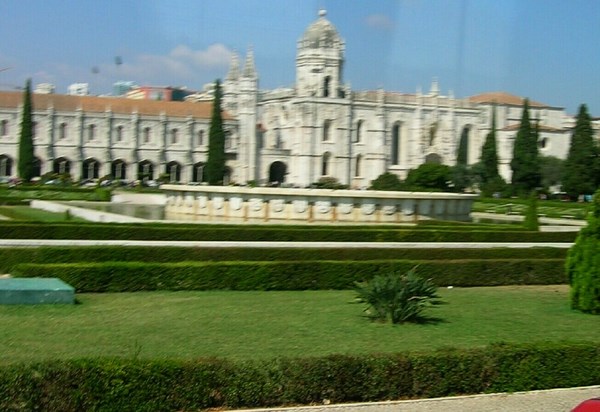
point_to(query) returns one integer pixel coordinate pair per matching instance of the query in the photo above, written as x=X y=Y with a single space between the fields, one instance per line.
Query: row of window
x=90 y=169
x=91 y=133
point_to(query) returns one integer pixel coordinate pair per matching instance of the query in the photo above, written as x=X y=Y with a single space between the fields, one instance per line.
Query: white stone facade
x=289 y=136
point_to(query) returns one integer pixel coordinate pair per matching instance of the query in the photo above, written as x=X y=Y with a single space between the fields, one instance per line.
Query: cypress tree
x=583 y=264
x=489 y=154
x=26 y=156
x=215 y=165
x=580 y=168
x=463 y=148
x=525 y=164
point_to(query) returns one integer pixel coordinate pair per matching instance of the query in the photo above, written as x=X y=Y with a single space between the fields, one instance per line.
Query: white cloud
x=380 y=22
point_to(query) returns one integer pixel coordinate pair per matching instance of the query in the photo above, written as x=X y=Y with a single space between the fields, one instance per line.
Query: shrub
x=531 y=218
x=176 y=385
x=397 y=298
x=386 y=181
x=289 y=275
x=583 y=264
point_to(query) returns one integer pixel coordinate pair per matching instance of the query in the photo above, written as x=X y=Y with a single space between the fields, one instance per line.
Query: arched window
x=200 y=138
x=359 y=130
x=145 y=171
x=325 y=163
x=326 y=130
x=37 y=167
x=326 y=86
x=396 y=140
x=4 y=128
x=147 y=135
x=118 y=169
x=198 y=173
x=62 y=165
x=62 y=131
x=5 y=166
x=358 y=165
x=119 y=133
x=91 y=132
x=174 y=136
x=90 y=169
x=173 y=169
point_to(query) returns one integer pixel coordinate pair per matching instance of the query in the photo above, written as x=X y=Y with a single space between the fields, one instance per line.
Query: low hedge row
x=293 y=275
x=13 y=256
x=241 y=233
x=175 y=385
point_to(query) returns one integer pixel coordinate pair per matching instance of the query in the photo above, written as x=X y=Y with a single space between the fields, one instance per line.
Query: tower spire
x=249 y=67
x=234 y=68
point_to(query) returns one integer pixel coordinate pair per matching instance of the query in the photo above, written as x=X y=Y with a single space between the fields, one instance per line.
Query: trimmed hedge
x=170 y=385
x=10 y=257
x=299 y=275
x=273 y=234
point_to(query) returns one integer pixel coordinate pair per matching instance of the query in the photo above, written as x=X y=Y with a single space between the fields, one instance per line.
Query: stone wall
x=275 y=205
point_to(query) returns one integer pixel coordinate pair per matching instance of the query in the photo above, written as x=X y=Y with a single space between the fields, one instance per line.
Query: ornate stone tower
x=320 y=60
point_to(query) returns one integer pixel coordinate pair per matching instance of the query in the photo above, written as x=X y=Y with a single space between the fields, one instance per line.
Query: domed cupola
x=319 y=60
x=321 y=34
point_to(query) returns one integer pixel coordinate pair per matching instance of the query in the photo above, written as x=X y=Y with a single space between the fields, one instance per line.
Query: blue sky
x=546 y=50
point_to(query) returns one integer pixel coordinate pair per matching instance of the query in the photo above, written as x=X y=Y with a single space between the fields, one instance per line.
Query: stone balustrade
x=285 y=205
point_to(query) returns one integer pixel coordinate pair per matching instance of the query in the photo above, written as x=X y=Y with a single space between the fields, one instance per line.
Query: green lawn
x=36 y=215
x=246 y=325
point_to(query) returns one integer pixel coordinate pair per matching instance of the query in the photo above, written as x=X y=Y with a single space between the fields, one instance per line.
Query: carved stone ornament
x=300 y=206
x=389 y=209
x=368 y=208
x=345 y=208
x=256 y=204
x=235 y=203
x=201 y=200
x=277 y=205
x=218 y=202
x=322 y=206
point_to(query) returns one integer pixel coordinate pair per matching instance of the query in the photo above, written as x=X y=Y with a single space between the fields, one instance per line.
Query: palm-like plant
x=397 y=298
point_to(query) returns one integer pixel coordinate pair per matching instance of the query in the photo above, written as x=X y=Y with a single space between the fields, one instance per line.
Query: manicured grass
x=243 y=325
x=27 y=213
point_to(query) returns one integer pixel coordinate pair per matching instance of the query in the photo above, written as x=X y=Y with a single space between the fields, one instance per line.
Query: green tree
x=463 y=148
x=489 y=154
x=525 y=164
x=581 y=167
x=429 y=176
x=551 y=169
x=26 y=156
x=215 y=165
x=386 y=181
x=583 y=264
x=531 y=221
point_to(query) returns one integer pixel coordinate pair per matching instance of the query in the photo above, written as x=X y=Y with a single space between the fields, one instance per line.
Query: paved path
x=554 y=400
x=286 y=245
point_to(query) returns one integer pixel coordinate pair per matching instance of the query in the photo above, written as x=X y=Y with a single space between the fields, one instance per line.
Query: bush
x=9 y=257
x=386 y=181
x=290 y=275
x=176 y=385
x=531 y=218
x=583 y=264
x=397 y=298
x=18 y=230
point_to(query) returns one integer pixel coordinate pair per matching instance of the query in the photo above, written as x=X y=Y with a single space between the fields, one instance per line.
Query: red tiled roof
x=504 y=98
x=62 y=102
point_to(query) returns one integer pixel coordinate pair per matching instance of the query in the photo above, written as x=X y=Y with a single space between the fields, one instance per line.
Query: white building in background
x=294 y=136
x=320 y=127
x=78 y=89
x=44 y=88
